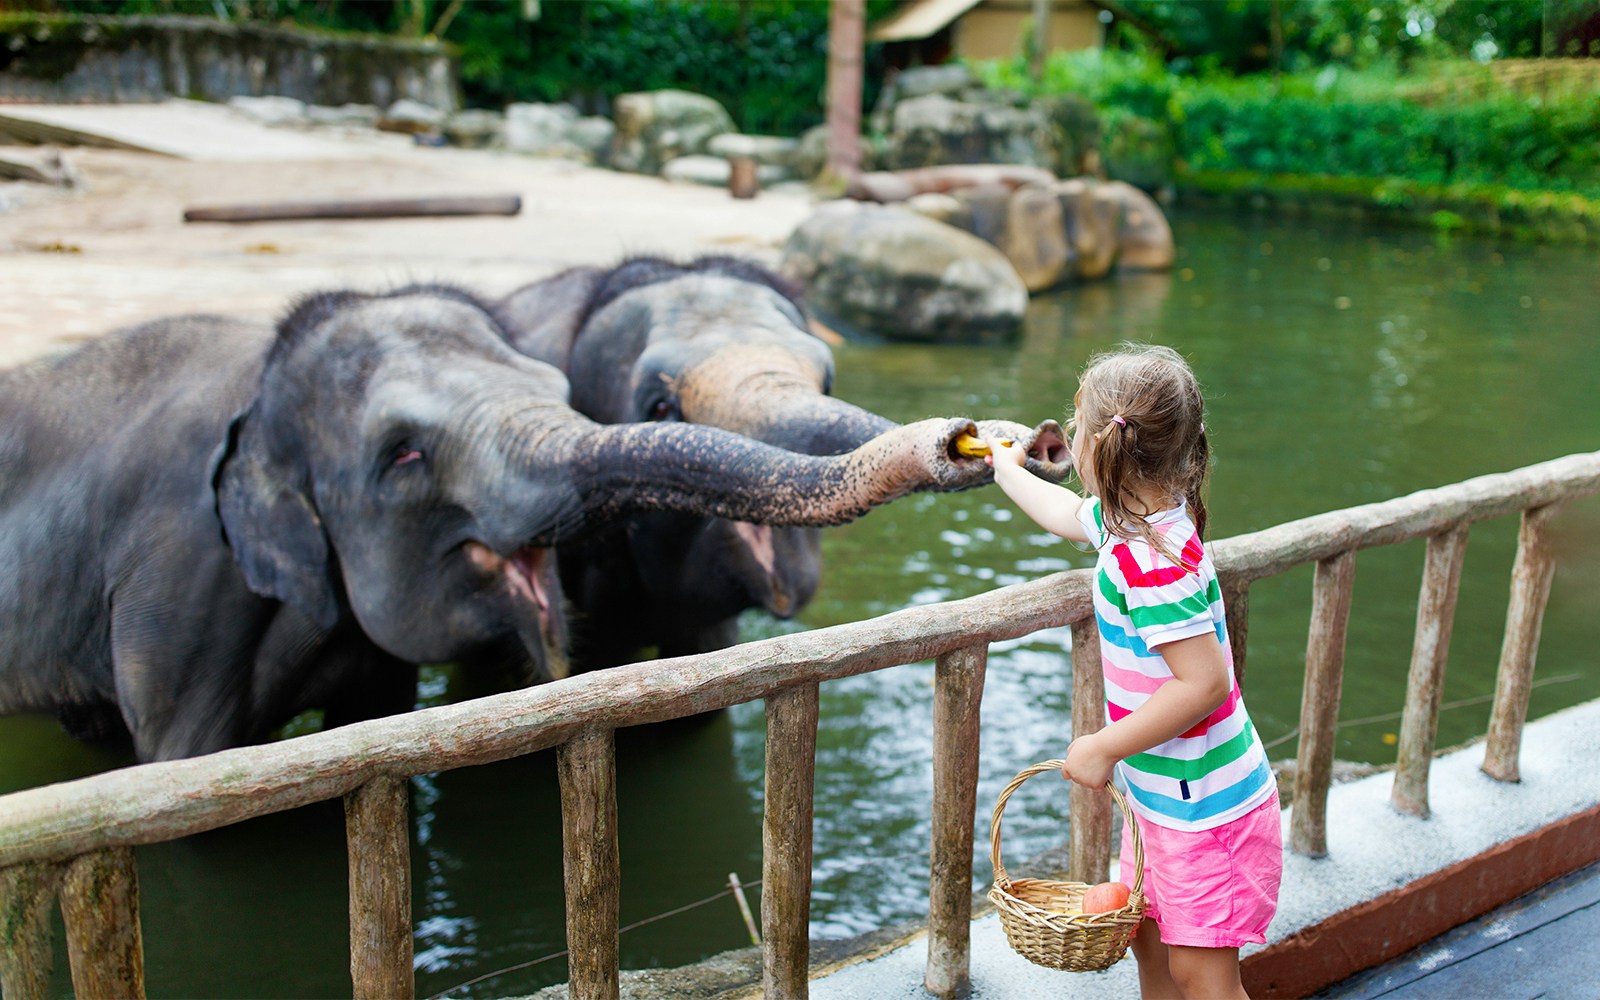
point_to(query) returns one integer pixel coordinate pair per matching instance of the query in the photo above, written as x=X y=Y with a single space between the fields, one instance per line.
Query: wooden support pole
x=100 y=906
x=958 y=693
x=1531 y=575
x=27 y=959
x=588 y=769
x=786 y=841
x=1436 y=615
x=378 y=838
x=358 y=208
x=1089 y=811
x=1319 y=703
x=1236 y=609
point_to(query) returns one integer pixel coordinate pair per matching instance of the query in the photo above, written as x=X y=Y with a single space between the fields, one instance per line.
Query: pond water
x=1341 y=366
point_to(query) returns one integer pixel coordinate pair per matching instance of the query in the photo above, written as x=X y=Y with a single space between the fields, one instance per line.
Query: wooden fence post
x=1530 y=589
x=100 y=906
x=1089 y=811
x=1319 y=703
x=1436 y=615
x=1236 y=609
x=587 y=766
x=378 y=838
x=958 y=692
x=786 y=842
x=27 y=956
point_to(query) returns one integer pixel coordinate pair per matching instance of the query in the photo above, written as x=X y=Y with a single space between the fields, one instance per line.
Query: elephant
x=213 y=525
x=721 y=341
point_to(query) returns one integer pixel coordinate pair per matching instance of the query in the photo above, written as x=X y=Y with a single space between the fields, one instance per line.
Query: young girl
x=1196 y=774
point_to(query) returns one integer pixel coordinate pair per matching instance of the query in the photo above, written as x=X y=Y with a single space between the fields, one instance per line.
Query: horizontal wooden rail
x=1417 y=515
x=165 y=801
x=171 y=799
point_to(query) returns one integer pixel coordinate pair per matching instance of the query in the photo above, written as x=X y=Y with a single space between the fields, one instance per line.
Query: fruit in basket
x=1105 y=897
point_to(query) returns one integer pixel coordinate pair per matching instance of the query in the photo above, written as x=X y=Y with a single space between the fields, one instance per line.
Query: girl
x=1197 y=776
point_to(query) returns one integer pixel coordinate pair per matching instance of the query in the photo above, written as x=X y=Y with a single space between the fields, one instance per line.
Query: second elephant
x=719 y=341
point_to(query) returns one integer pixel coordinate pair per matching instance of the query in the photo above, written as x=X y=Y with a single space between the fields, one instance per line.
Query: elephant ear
x=270 y=523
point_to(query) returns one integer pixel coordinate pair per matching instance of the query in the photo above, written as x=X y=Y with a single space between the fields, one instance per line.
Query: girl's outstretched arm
x=1200 y=683
x=1054 y=508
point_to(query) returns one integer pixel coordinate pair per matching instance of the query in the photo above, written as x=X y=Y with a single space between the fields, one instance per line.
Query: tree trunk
x=846 y=41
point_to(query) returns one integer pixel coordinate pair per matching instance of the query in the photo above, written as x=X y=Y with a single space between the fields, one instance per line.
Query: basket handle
x=1055 y=765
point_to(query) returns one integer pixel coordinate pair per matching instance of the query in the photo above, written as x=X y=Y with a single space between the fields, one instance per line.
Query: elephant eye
x=405 y=455
x=664 y=409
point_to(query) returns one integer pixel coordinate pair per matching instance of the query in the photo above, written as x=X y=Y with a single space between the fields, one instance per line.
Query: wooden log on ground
x=1531 y=575
x=1088 y=811
x=958 y=693
x=100 y=906
x=359 y=208
x=27 y=958
x=1319 y=704
x=377 y=834
x=1436 y=615
x=786 y=842
x=588 y=770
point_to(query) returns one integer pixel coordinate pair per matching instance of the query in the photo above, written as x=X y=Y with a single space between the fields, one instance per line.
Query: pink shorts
x=1213 y=888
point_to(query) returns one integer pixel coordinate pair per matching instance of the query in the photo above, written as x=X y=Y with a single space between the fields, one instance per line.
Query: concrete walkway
x=1372 y=850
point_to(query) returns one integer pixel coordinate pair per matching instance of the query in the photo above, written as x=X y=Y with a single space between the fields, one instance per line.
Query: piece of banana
x=972 y=446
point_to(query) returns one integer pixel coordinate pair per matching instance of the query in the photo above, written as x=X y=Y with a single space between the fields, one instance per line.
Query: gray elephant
x=210 y=526
x=719 y=341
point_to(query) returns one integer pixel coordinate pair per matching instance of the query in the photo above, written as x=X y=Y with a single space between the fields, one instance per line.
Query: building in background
x=929 y=32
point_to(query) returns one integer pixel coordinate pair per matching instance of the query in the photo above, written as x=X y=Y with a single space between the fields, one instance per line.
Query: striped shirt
x=1217 y=771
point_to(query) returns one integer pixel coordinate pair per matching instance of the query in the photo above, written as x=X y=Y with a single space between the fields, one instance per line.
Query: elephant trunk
x=775 y=397
x=618 y=469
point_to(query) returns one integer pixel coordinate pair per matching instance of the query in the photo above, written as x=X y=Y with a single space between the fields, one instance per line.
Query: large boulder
x=1059 y=232
x=933 y=130
x=656 y=126
x=885 y=270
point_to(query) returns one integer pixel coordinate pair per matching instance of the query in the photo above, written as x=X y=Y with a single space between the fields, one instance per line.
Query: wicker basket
x=1042 y=919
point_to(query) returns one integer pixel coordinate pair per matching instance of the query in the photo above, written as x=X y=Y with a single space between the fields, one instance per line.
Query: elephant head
x=725 y=343
x=403 y=465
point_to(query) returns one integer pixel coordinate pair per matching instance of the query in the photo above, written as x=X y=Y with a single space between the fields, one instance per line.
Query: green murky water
x=1341 y=367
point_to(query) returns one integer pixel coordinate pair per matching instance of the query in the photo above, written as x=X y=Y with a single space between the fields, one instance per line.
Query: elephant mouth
x=530 y=577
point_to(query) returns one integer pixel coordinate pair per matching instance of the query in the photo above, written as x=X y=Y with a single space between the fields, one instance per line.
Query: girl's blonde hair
x=1142 y=409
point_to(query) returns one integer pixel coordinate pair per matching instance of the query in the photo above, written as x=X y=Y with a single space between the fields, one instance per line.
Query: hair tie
x=1117 y=419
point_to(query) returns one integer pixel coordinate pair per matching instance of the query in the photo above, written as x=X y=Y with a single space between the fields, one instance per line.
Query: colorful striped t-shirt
x=1217 y=771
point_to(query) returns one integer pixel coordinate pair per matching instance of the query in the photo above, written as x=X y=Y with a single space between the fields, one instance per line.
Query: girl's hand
x=1000 y=451
x=1087 y=763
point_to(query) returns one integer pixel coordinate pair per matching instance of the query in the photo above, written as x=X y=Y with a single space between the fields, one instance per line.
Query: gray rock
x=933 y=130
x=541 y=129
x=656 y=126
x=920 y=81
x=592 y=136
x=715 y=170
x=406 y=115
x=475 y=129
x=344 y=116
x=270 y=110
x=772 y=150
x=812 y=153
x=891 y=272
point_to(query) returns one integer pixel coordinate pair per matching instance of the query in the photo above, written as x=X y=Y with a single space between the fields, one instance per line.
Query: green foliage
x=1516 y=143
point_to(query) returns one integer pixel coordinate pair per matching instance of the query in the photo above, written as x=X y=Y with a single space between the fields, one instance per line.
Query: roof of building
x=922 y=18
x=919 y=19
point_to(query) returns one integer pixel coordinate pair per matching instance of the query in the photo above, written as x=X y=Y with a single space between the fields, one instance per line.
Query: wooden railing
x=74 y=840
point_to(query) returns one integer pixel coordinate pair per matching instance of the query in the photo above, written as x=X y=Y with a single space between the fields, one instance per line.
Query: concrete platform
x=1390 y=877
